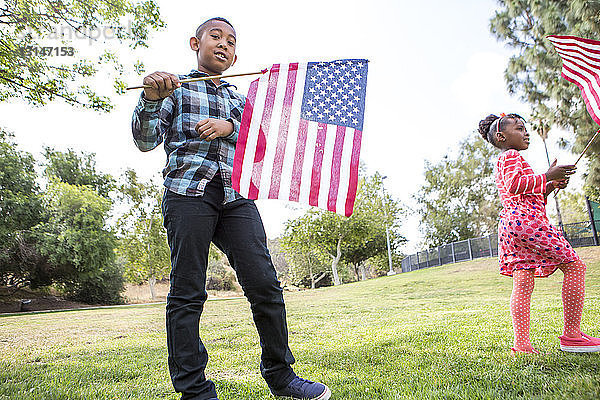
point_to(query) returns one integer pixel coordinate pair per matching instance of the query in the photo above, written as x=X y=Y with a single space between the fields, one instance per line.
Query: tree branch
x=68 y=99
x=323 y=275
x=529 y=20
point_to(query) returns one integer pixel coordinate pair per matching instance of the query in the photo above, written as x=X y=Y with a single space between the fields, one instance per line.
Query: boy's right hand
x=163 y=84
x=559 y=172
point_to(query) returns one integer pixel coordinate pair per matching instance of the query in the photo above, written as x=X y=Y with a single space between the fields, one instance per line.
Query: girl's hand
x=559 y=172
x=561 y=183
x=212 y=128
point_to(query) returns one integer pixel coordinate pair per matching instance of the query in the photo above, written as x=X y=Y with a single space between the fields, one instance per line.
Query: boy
x=199 y=123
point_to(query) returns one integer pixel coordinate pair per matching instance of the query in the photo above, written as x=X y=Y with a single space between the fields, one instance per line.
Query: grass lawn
x=439 y=333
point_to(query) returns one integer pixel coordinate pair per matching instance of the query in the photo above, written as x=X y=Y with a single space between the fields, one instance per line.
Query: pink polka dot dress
x=526 y=239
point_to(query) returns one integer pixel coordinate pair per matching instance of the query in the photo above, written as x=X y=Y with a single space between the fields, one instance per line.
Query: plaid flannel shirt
x=191 y=162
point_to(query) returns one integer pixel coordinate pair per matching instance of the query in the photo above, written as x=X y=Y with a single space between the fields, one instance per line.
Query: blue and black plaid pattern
x=191 y=162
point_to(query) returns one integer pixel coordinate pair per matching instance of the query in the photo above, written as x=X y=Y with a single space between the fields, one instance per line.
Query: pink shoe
x=584 y=344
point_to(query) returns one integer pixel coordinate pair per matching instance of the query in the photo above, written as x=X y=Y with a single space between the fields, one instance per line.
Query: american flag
x=301 y=133
x=581 y=66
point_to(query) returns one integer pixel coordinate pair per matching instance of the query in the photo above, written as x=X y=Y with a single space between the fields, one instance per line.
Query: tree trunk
x=323 y=275
x=151 y=283
x=356 y=271
x=151 y=279
x=558 y=214
x=312 y=277
x=363 y=272
x=335 y=261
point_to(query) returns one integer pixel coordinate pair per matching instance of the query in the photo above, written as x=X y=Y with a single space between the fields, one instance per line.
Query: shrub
x=104 y=287
x=221 y=277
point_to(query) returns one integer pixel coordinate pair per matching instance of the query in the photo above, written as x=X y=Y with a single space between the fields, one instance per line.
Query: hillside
x=438 y=333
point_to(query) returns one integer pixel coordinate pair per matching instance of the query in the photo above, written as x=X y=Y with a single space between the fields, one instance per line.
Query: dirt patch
x=136 y=294
x=26 y=300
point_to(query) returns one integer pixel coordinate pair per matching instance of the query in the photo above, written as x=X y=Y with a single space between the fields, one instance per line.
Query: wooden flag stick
x=588 y=146
x=582 y=153
x=203 y=78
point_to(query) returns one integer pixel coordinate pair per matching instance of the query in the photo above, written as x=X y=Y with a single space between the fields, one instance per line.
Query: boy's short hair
x=202 y=26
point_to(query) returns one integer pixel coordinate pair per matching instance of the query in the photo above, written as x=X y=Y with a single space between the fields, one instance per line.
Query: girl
x=528 y=245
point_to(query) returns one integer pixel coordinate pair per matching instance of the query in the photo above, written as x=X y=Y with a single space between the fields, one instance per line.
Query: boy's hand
x=212 y=128
x=559 y=172
x=163 y=84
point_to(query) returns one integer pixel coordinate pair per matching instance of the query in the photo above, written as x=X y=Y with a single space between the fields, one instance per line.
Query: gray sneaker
x=300 y=388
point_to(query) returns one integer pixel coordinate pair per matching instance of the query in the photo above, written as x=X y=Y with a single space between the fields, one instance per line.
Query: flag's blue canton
x=334 y=92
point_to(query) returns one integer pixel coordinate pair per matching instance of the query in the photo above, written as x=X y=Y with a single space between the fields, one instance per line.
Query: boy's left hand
x=212 y=128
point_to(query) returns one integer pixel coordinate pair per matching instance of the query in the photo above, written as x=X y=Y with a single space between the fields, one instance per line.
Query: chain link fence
x=578 y=234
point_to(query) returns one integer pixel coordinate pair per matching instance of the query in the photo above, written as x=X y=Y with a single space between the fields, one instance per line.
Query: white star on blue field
x=335 y=92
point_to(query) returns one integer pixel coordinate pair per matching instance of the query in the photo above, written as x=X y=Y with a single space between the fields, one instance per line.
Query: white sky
x=434 y=72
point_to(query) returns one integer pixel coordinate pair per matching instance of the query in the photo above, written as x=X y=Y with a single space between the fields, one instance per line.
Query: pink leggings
x=573 y=292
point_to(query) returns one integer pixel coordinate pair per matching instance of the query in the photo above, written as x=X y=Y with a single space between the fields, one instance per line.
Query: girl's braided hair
x=493 y=124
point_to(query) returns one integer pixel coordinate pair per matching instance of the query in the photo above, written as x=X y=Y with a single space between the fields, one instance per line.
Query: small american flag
x=581 y=66
x=301 y=133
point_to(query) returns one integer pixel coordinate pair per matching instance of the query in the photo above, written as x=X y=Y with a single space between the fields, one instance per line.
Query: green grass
x=439 y=333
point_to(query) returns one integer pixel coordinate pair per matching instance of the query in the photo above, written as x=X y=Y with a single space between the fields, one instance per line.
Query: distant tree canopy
x=593 y=193
x=77 y=245
x=572 y=206
x=308 y=265
x=59 y=236
x=77 y=169
x=319 y=242
x=143 y=241
x=534 y=72
x=20 y=202
x=459 y=199
x=39 y=56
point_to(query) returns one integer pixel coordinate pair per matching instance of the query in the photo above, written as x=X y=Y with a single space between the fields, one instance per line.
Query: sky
x=434 y=71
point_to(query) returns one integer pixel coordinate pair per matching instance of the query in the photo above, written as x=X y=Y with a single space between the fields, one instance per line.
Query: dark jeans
x=236 y=229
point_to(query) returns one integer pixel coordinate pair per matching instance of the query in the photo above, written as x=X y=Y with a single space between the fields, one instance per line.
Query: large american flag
x=581 y=66
x=301 y=133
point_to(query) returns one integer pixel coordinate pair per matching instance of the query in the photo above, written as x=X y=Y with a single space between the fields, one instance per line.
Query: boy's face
x=215 y=48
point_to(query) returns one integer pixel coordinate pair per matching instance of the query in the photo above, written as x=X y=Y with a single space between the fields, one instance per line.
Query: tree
x=534 y=73
x=357 y=252
x=573 y=206
x=377 y=210
x=319 y=235
x=145 y=252
x=59 y=237
x=77 y=169
x=143 y=243
x=277 y=252
x=306 y=261
x=593 y=193
x=459 y=199
x=219 y=274
x=75 y=246
x=20 y=208
x=38 y=38
x=20 y=201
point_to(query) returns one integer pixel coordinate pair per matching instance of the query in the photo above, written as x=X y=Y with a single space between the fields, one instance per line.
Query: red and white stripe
x=282 y=156
x=518 y=177
x=581 y=66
